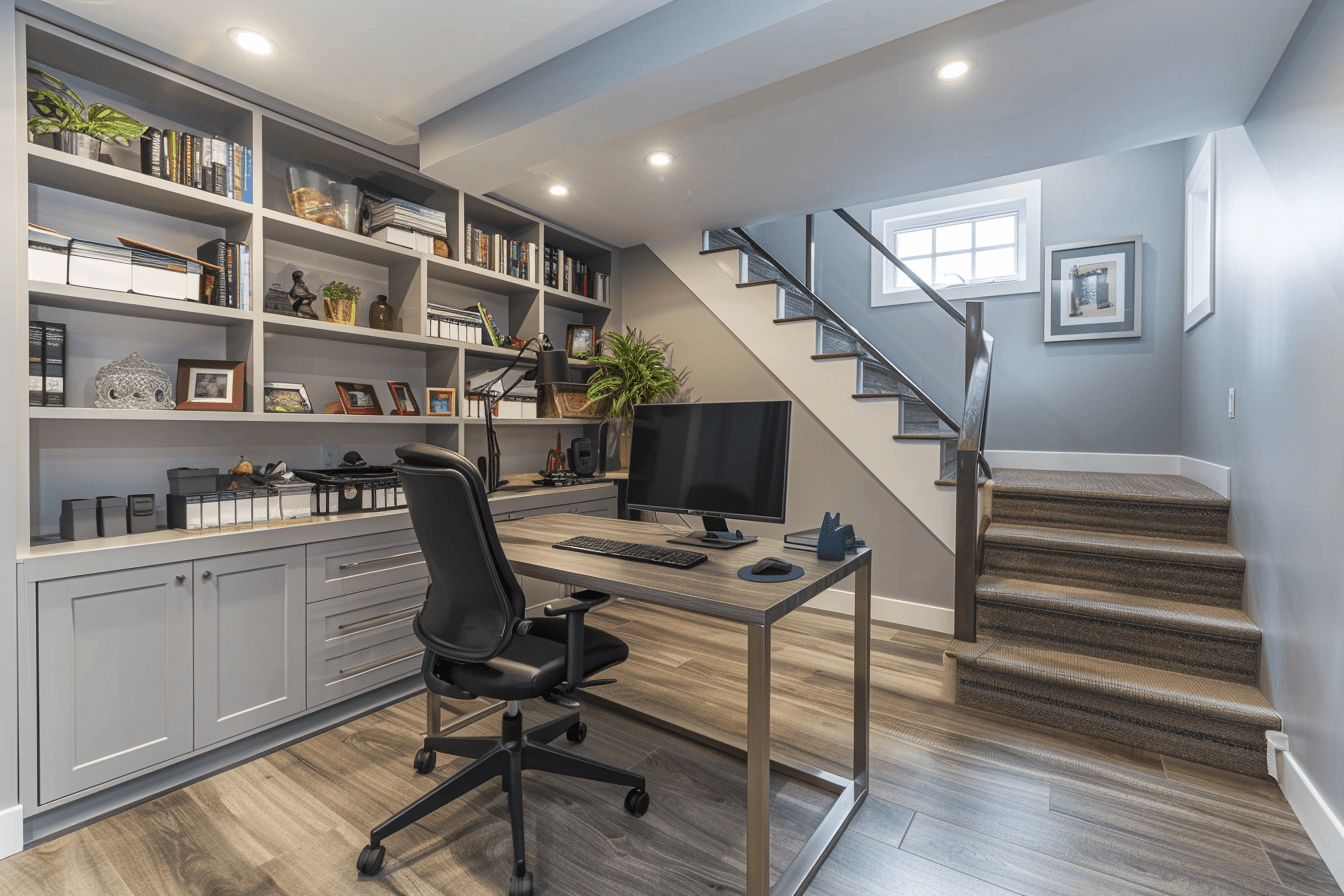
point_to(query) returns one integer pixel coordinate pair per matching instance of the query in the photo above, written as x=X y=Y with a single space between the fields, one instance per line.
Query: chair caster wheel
x=370 y=860
x=637 y=802
x=577 y=733
x=423 y=761
x=521 y=885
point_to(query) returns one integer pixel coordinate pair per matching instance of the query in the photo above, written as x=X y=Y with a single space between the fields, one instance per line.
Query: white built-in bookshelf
x=83 y=451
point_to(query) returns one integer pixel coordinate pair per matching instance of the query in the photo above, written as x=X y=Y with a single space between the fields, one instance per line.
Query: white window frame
x=1024 y=199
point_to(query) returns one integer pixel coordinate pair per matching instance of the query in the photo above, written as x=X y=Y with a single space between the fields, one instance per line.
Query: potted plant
x=633 y=369
x=75 y=127
x=341 y=301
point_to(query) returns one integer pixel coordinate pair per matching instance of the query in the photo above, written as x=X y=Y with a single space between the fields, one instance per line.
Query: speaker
x=582 y=458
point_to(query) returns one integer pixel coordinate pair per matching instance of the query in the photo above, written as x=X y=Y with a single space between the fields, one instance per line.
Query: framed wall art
x=286 y=398
x=1094 y=290
x=210 y=385
x=440 y=402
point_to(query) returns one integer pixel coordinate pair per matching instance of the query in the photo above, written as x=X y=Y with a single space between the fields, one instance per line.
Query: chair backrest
x=473 y=601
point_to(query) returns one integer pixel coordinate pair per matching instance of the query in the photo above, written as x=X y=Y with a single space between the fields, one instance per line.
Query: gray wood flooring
x=962 y=802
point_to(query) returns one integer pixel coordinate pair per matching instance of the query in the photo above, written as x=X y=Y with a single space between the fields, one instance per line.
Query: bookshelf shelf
x=295 y=231
x=540 y=421
x=452 y=271
x=573 y=302
x=49 y=168
x=125 y=304
x=316 y=329
x=230 y=417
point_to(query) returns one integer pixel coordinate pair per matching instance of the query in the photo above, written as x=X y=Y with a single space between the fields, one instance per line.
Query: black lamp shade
x=552 y=367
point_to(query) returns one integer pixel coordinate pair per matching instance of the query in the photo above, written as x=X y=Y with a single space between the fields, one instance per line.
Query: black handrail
x=854 y=334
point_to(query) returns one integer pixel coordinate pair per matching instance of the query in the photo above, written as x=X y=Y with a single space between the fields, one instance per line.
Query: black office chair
x=479 y=644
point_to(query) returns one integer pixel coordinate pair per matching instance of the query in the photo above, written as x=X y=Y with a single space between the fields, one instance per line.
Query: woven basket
x=570 y=400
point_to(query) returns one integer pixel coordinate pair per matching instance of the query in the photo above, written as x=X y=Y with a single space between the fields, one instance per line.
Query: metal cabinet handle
x=356 y=563
x=206 y=574
x=181 y=577
x=386 y=619
x=374 y=664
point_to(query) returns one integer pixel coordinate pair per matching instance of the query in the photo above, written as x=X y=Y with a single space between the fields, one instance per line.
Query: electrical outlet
x=331 y=455
x=1231 y=403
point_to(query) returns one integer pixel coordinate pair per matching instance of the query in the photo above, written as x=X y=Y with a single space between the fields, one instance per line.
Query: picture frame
x=403 y=400
x=580 y=341
x=359 y=398
x=1200 y=235
x=204 y=385
x=285 y=398
x=441 y=402
x=1094 y=290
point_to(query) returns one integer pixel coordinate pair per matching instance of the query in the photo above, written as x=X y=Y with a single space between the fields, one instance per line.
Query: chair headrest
x=419 y=454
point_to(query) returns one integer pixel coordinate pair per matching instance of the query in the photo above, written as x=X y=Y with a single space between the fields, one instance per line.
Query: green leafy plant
x=341 y=301
x=631 y=370
x=60 y=109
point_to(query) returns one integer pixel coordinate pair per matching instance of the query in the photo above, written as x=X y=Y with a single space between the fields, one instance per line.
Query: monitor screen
x=724 y=459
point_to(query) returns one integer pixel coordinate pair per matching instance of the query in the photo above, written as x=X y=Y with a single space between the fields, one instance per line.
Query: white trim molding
x=1318 y=819
x=908 y=614
x=1210 y=475
x=11 y=831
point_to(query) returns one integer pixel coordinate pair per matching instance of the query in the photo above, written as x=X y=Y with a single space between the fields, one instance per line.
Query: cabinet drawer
x=602 y=507
x=355 y=565
x=357 y=641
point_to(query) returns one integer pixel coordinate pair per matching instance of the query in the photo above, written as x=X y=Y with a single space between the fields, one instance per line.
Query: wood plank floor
x=962 y=802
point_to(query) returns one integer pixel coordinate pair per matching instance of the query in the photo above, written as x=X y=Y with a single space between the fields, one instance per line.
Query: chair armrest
x=576 y=607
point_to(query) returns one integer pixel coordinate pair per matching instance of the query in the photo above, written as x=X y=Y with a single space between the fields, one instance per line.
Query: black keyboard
x=626 y=550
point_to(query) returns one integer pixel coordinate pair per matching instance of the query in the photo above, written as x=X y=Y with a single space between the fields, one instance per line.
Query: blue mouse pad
x=746 y=573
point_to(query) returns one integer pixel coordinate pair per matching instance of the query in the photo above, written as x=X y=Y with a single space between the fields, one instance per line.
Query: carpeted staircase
x=1110 y=605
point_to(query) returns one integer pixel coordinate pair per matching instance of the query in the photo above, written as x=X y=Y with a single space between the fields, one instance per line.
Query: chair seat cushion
x=532 y=664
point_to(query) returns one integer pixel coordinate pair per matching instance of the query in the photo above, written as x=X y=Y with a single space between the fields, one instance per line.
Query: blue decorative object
x=834 y=540
x=745 y=573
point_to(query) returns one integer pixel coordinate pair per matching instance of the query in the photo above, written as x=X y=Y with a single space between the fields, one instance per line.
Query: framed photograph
x=359 y=398
x=1094 y=290
x=286 y=398
x=1200 y=233
x=403 y=400
x=440 y=402
x=210 y=385
x=580 y=341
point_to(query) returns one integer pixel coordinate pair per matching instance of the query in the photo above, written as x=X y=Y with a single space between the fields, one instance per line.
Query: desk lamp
x=552 y=367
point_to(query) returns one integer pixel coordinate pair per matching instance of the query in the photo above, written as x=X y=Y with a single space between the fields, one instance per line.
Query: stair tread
x=1109 y=486
x=866 y=395
x=925 y=436
x=828 y=356
x=1144 y=547
x=1178 y=691
x=1222 y=622
x=800 y=317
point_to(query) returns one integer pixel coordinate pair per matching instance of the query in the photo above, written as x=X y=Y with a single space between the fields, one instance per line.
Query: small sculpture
x=302 y=298
x=134 y=383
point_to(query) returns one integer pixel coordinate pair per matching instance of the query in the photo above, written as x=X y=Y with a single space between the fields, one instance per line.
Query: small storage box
x=111 y=515
x=79 y=518
x=153 y=274
x=140 y=515
x=48 y=256
x=192 y=480
x=100 y=266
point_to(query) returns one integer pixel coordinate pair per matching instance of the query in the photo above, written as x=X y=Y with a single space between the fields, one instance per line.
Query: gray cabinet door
x=113 y=675
x=249 y=641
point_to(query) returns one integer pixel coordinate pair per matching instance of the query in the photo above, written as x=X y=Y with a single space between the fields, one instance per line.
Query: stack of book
x=46 y=364
x=48 y=255
x=569 y=274
x=449 y=323
x=212 y=164
x=228 y=280
x=496 y=252
x=406 y=224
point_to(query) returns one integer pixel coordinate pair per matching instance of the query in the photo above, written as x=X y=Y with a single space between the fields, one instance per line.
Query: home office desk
x=713 y=589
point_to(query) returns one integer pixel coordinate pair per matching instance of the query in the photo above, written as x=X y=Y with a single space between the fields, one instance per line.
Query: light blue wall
x=1275 y=335
x=1118 y=395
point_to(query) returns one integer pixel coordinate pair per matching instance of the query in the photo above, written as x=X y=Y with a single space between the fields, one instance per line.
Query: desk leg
x=433 y=713
x=758 y=760
x=863 y=600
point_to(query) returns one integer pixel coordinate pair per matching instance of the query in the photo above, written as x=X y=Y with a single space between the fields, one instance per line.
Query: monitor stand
x=716 y=535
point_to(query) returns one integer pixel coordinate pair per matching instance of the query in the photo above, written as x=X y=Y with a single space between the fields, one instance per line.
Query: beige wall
x=909 y=564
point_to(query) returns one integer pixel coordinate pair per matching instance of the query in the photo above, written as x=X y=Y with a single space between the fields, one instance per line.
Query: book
x=36 y=386
x=247 y=174
x=805 y=538
x=491 y=332
x=53 y=365
x=214 y=290
x=151 y=152
x=174 y=157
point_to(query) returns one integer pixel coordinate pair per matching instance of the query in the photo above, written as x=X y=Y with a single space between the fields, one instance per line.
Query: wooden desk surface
x=712 y=588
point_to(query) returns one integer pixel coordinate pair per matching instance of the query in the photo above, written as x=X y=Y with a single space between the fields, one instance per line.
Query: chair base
x=506 y=758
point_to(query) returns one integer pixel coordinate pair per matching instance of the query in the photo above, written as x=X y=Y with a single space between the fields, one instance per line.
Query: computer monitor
x=716 y=460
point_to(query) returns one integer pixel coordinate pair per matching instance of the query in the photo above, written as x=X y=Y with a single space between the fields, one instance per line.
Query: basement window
x=967 y=245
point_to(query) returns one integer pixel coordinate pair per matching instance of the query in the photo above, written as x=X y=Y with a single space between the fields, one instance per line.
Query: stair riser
x=1180 y=734
x=1133 y=517
x=1155 y=647
x=1214 y=586
x=916 y=416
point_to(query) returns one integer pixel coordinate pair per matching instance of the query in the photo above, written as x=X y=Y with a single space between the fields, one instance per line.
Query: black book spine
x=53 y=364
x=221 y=179
x=208 y=178
x=214 y=252
x=231 y=261
x=37 y=389
x=151 y=152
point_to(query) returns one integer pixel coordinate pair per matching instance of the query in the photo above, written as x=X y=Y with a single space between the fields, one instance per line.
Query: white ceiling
x=771 y=109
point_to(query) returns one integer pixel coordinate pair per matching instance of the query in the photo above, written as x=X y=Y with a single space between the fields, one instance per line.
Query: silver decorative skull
x=133 y=383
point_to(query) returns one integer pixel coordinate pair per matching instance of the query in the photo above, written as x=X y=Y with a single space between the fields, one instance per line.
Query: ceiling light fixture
x=659 y=159
x=954 y=70
x=253 y=42
x=559 y=190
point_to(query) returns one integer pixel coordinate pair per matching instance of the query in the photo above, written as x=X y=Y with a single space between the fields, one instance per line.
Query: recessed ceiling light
x=659 y=159
x=253 y=42
x=954 y=70
x=559 y=190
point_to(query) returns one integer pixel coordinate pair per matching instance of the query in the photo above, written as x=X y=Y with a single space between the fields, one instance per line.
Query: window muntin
x=981 y=250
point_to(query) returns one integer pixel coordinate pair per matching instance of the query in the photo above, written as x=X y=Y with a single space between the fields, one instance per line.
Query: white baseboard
x=1210 y=475
x=11 y=831
x=889 y=609
x=1318 y=819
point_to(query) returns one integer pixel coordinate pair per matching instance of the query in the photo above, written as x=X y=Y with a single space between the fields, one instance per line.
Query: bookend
x=835 y=540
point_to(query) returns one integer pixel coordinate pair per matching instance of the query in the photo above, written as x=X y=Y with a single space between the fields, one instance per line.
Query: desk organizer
x=240 y=507
x=354 y=489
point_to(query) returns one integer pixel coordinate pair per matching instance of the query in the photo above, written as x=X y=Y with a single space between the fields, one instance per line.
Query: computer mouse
x=771 y=566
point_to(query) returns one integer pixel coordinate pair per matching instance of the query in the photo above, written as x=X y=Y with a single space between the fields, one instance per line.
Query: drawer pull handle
x=376 y=621
x=181 y=578
x=206 y=574
x=345 y=566
x=387 y=661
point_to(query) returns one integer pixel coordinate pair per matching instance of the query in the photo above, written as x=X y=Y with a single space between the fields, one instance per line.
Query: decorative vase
x=74 y=143
x=624 y=430
x=381 y=314
x=341 y=310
